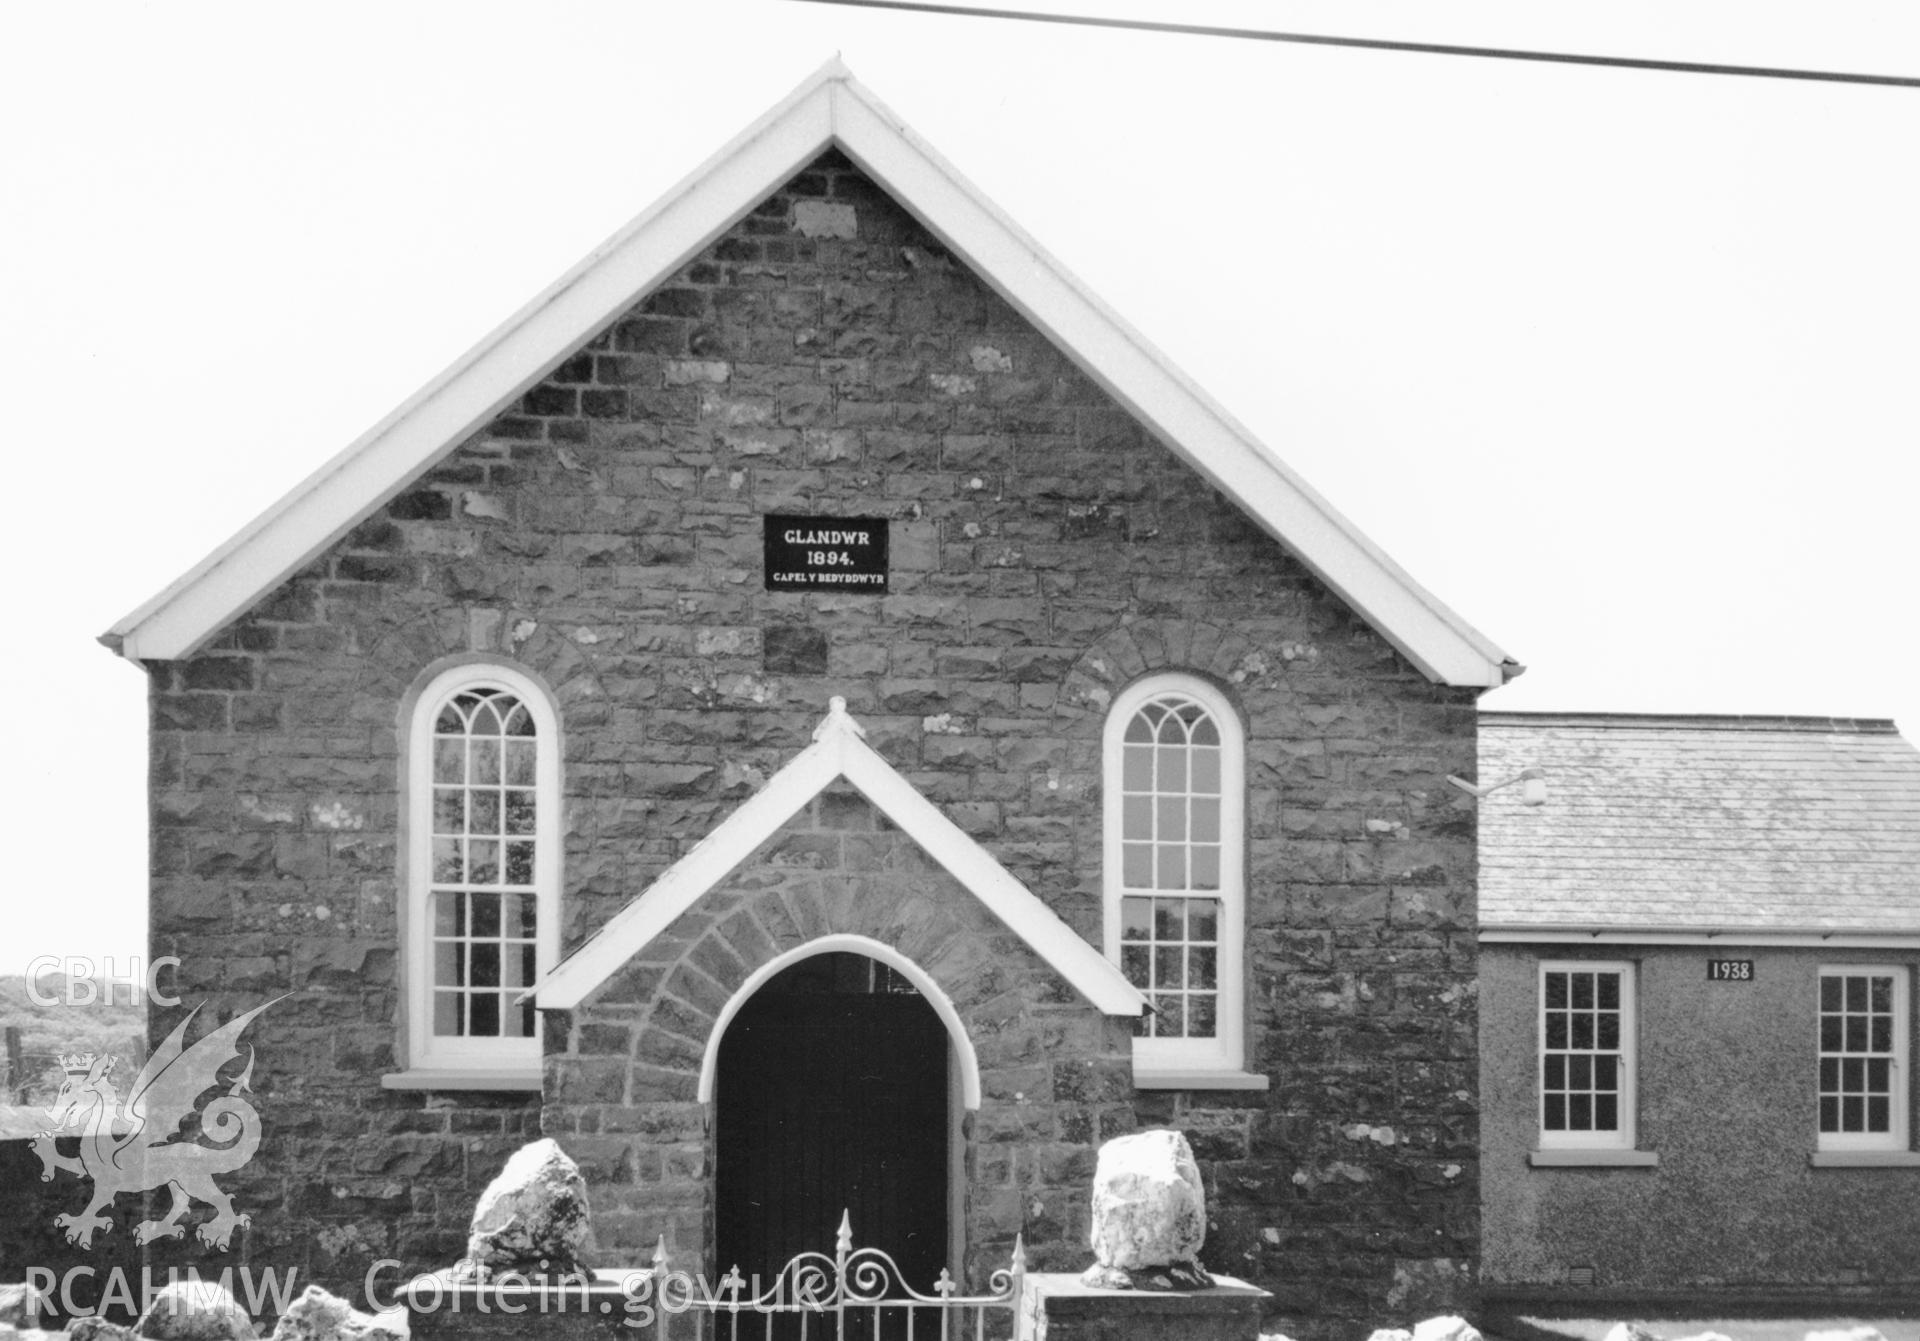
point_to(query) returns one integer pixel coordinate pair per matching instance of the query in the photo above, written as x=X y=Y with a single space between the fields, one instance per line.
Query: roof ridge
x=1700 y=720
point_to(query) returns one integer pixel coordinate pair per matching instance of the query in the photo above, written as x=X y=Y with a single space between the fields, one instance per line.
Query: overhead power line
x=1382 y=44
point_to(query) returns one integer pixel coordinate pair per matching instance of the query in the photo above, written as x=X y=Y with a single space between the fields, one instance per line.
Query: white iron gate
x=855 y=1295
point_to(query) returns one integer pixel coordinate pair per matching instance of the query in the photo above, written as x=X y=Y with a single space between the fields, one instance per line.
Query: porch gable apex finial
x=838 y=720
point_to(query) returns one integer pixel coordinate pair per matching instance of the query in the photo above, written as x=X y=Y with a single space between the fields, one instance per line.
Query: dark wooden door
x=832 y=1096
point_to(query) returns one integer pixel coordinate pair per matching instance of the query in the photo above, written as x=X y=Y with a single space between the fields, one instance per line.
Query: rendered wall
x=1727 y=1082
x=605 y=535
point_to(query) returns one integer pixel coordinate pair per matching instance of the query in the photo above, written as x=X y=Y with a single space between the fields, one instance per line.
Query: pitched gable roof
x=1697 y=825
x=830 y=109
x=839 y=750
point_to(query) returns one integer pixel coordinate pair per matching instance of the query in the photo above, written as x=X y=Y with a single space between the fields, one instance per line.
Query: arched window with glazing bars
x=483 y=865
x=1174 y=815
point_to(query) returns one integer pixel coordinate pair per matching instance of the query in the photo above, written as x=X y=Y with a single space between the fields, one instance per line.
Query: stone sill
x=1574 y=1158
x=1161 y=1078
x=1865 y=1159
x=473 y=1078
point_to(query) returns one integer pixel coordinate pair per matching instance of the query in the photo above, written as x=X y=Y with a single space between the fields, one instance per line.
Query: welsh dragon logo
x=131 y=1146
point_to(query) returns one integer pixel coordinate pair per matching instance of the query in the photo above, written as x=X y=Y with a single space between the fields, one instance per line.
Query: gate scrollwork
x=866 y=1282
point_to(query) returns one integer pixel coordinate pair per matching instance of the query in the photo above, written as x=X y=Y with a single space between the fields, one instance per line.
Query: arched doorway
x=832 y=1095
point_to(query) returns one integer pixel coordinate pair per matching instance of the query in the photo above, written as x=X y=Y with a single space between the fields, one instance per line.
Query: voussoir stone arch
x=408 y=656
x=882 y=890
x=931 y=991
x=1142 y=647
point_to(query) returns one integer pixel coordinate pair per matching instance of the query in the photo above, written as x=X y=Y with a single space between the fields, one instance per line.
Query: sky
x=1619 y=364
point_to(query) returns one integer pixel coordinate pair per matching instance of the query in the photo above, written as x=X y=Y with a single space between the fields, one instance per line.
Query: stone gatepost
x=1146 y=1284
x=523 y=1274
x=1059 y=1306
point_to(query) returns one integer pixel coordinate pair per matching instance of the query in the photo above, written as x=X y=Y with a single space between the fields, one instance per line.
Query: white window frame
x=475 y=1059
x=1218 y=1061
x=1899 y=1095
x=1624 y=1136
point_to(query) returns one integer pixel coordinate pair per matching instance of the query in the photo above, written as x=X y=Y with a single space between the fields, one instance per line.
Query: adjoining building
x=1697 y=1007
x=815 y=711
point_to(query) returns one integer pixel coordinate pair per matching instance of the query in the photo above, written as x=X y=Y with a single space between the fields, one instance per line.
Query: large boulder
x=319 y=1316
x=195 y=1310
x=532 y=1219
x=1149 y=1215
x=1631 y=1331
x=1445 y=1328
x=93 y=1327
x=20 y=1306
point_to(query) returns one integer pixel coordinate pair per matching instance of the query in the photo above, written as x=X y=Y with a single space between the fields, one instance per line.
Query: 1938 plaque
x=826 y=554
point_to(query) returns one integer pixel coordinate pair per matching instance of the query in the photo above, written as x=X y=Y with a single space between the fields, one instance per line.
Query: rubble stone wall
x=31 y=1238
x=827 y=356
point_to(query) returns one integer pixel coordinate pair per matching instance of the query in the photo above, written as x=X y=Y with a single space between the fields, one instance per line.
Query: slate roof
x=1700 y=824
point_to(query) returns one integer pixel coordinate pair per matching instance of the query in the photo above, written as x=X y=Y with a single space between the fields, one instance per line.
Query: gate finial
x=660 y=1257
x=843 y=1241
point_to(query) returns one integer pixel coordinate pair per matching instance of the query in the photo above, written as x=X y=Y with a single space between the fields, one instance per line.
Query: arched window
x=1174 y=861
x=483 y=869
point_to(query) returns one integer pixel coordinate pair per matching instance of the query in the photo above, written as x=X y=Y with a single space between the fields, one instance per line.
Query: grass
x=47 y=1029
